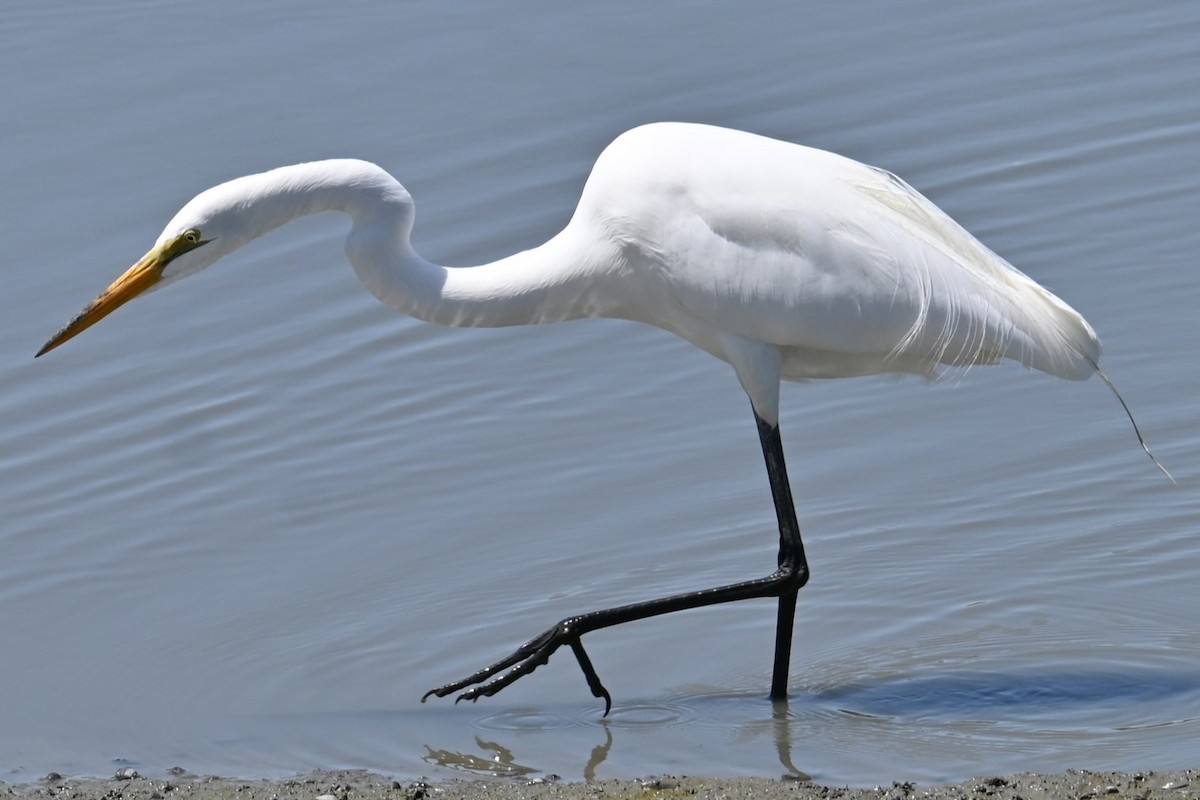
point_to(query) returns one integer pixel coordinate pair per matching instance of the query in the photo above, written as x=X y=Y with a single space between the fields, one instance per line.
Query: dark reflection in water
x=1036 y=700
x=497 y=760
x=599 y=754
x=781 y=725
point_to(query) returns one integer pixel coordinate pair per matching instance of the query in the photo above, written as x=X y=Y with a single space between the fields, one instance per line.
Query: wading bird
x=786 y=262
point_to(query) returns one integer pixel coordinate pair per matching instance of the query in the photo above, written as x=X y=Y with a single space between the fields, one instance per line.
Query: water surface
x=248 y=521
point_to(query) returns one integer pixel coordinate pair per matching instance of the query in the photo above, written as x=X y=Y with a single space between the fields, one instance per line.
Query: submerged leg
x=783 y=583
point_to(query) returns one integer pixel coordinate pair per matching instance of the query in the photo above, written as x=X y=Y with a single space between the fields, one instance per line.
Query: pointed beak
x=136 y=280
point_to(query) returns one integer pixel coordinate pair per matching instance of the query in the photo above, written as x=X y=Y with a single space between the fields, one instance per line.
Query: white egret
x=786 y=262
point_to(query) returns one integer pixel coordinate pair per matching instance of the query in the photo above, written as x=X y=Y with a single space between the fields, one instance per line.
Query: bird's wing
x=828 y=256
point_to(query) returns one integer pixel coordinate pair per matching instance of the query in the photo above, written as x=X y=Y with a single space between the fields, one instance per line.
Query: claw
x=589 y=672
x=526 y=659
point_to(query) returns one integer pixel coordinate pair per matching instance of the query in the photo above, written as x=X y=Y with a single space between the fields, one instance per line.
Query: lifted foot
x=524 y=660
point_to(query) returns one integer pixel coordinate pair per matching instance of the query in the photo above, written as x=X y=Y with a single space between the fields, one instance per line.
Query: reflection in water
x=500 y=761
x=901 y=706
x=599 y=753
x=781 y=719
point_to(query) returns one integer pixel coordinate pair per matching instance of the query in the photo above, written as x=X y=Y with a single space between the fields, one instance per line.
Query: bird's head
x=203 y=231
x=221 y=219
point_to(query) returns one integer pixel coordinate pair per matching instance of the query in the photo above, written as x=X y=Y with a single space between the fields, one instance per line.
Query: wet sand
x=357 y=785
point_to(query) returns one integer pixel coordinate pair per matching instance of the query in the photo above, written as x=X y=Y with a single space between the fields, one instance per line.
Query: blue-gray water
x=246 y=522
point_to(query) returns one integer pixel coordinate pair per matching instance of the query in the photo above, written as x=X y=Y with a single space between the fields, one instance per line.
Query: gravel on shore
x=127 y=784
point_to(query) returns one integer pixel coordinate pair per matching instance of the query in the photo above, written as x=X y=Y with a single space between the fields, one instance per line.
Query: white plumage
x=788 y=263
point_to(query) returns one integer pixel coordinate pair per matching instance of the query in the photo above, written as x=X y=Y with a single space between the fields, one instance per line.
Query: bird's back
x=843 y=266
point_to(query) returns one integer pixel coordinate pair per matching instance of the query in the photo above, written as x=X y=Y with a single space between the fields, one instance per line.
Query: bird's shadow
x=998 y=695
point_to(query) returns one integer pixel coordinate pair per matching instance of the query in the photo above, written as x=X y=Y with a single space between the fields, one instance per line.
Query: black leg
x=784 y=583
x=791 y=553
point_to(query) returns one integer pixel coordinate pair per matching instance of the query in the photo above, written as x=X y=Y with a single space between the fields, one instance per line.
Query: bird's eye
x=191 y=236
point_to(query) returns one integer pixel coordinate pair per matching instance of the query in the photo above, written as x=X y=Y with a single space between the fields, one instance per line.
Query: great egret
x=784 y=261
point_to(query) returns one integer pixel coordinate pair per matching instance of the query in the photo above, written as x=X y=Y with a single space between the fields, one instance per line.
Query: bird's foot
x=524 y=660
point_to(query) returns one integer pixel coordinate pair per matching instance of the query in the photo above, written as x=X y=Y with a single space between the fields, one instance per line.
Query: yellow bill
x=136 y=280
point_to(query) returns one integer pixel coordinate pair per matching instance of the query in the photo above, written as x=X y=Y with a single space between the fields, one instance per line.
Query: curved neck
x=549 y=283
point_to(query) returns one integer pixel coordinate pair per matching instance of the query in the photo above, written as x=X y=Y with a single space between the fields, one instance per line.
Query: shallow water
x=247 y=522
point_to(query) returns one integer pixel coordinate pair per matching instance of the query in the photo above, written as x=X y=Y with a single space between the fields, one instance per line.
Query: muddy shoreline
x=127 y=784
